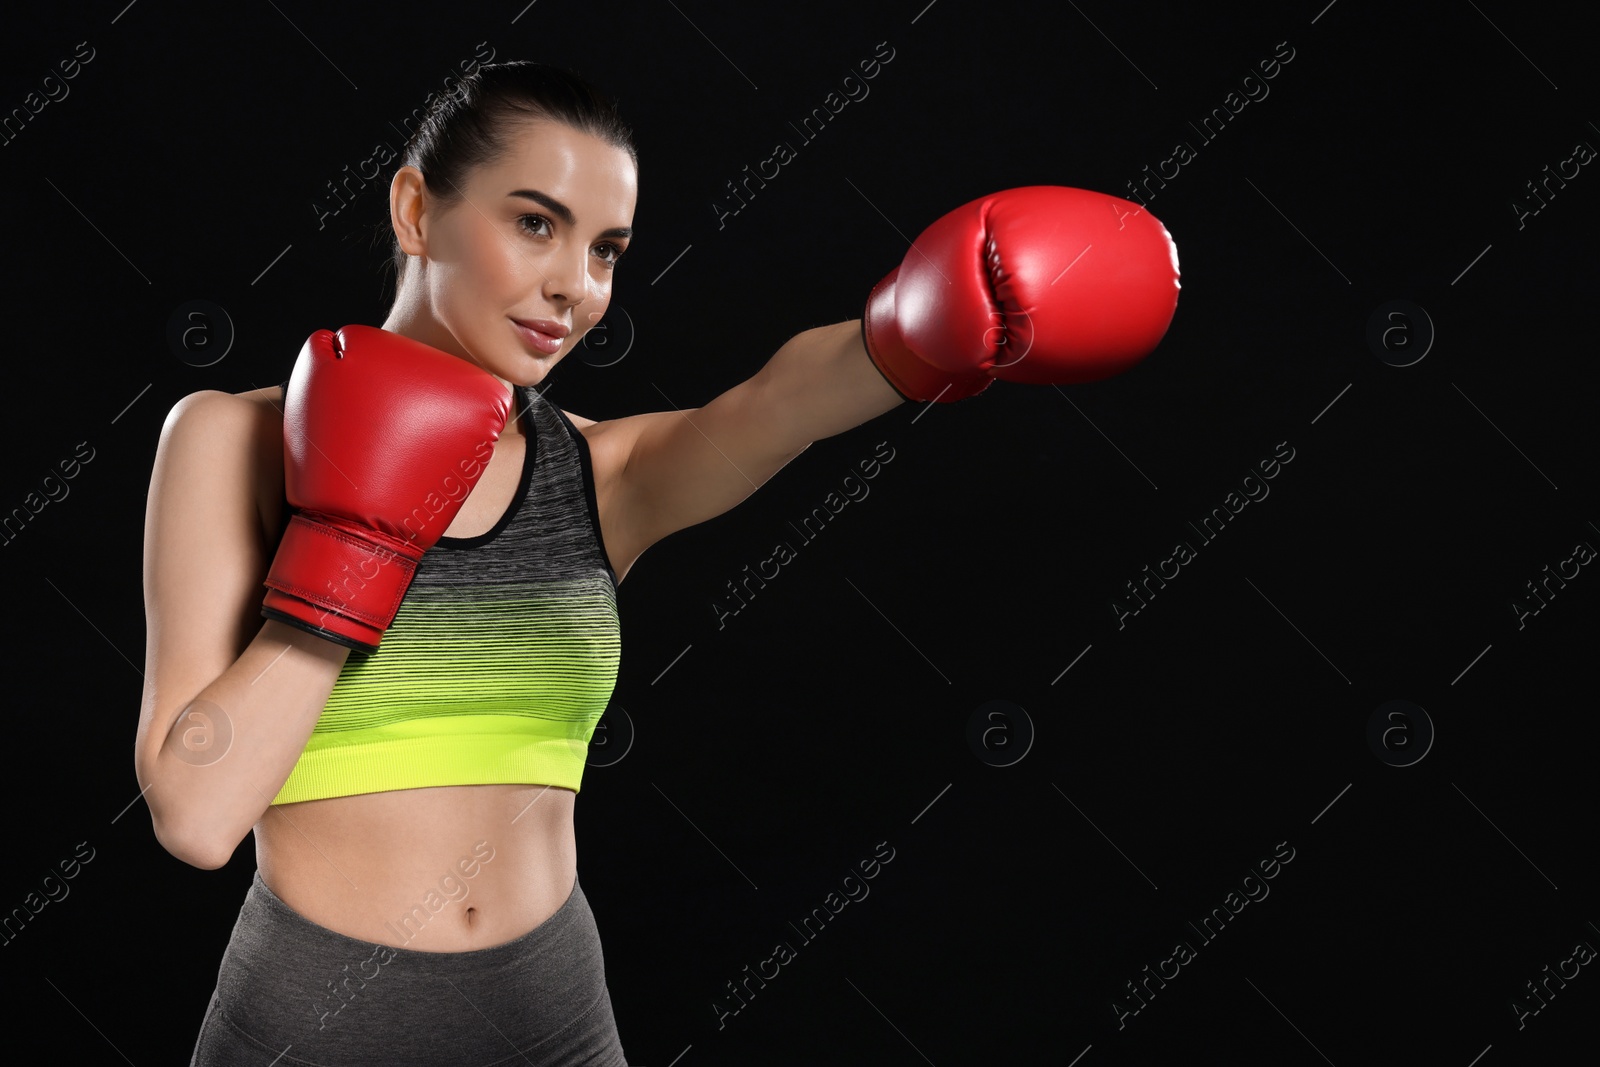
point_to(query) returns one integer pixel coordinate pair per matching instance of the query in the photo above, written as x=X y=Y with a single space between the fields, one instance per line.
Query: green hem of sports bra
x=382 y=766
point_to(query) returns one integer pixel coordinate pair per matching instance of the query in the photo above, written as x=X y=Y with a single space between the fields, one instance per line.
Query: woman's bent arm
x=229 y=698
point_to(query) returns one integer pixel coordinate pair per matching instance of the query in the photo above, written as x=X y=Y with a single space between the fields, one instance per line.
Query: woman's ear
x=407 y=199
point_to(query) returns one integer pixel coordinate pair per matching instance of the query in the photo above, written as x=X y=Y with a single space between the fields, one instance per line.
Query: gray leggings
x=290 y=991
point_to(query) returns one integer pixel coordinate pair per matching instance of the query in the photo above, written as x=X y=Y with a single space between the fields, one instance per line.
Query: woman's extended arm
x=1043 y=285
x=253 y=689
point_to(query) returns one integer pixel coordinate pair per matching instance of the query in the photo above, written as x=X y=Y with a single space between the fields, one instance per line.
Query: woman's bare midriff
x=446 y=869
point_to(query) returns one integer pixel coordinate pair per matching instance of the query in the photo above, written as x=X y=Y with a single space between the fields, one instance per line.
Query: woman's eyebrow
x=563 y=212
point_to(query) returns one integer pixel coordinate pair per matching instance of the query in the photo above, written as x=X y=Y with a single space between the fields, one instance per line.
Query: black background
x=832 y=713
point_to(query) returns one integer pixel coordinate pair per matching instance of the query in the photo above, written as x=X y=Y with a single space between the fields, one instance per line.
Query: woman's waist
x=443 y=869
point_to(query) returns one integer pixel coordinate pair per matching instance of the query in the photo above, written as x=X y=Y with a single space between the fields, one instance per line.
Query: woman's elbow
x=197 y=846
x=185 y=834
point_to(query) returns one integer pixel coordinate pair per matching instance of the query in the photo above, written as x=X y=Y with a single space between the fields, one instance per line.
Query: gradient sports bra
x=503 y=655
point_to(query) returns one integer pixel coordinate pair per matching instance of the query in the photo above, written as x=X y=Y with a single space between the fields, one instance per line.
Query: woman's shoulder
x=577 y=420
x=211 y=418
x=235 y=437
x=263 y=414
x=608 y=450
x=263 y=417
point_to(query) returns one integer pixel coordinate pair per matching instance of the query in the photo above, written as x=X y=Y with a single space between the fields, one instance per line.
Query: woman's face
x=521 y=269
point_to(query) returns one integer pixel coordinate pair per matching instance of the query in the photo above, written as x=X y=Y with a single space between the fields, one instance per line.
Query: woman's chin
x=530 y=372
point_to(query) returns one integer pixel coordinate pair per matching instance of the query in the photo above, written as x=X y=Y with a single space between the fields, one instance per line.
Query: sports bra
x=502 y=656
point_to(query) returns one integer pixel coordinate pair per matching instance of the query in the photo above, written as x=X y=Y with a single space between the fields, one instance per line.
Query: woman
x=405 y=731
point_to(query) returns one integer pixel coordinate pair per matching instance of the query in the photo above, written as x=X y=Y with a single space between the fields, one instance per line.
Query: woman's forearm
x=822 y=382
x=229 y=753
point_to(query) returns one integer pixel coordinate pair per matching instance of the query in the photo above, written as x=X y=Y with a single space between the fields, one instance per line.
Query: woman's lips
x=542 y=334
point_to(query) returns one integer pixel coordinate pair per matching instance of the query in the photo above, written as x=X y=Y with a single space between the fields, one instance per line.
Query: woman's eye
x=531 y=223
x=609 y=252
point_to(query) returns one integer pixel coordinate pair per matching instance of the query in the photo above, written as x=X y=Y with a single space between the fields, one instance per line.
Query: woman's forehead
x=589 y=175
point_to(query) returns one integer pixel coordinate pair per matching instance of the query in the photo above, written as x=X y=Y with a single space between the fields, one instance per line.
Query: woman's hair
x=470 y=127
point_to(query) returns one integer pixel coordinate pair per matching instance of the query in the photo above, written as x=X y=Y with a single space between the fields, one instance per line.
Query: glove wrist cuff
x=335 y=577
x=907 y=372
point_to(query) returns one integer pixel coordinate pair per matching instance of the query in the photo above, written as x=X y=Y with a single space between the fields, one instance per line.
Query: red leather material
x=911 y=377
x=384 y=438
x=1042 y=284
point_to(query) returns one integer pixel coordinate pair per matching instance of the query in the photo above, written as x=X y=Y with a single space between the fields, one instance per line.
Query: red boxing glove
x=383 y=438
x=1043 y=284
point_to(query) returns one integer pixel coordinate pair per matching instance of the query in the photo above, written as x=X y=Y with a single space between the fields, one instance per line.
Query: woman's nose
x=566 y=281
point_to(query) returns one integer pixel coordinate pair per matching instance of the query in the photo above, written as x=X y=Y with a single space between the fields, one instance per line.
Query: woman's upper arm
x=204 y=555
x=674 y=469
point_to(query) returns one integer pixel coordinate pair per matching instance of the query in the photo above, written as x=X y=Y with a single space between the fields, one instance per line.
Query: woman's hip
x=288 y=986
